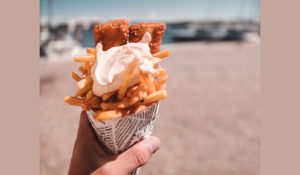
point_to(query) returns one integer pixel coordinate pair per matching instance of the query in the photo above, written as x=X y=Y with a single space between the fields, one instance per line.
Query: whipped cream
x=108 y=70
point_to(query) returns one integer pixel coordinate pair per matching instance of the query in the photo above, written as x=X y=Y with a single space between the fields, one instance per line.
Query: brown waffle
x=157 y=30
x=115 y=33
x=111 y=34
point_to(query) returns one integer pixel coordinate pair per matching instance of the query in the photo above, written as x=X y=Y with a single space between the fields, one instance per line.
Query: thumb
x=139 y=154
x=135 y=157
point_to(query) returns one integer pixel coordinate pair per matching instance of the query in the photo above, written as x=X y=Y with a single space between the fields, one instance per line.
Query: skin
x=91 y=157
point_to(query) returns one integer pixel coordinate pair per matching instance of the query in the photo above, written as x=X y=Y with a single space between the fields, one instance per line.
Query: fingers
x=88 y=154
x=139 y=154
x=133 y=158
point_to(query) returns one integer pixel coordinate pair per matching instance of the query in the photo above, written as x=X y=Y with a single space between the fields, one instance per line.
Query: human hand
x=91 y=157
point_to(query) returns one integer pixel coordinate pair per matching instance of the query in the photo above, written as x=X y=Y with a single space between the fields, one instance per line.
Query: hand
x=90 y=156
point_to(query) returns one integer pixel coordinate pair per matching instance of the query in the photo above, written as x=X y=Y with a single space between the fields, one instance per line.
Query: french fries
x=78 y=58
x=106 y=115
x=83 y=90
x=82 y=70
x=87 y=67
x=131 y=90
x=139 y=93
x=106 y=96
x=89 y=95
x=73 y=100
x=75 y=76
x=149 y=81
x=159 y=95
x=159 y=83
x=162 y=54
x=84 y=81
x=148 y=90
x=156 y=62
x=91 y=51
x=160 y=73
x=115 y=105
x=126 y=79
x=94 y=102
x=84 y=86
x=85 y=107
x=139 y=108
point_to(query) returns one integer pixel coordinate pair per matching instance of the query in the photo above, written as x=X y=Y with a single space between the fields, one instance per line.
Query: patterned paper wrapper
x=120 y=134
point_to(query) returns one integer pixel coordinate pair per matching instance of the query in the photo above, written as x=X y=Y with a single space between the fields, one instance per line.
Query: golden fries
x=106 y=96
x=148 y=90
x=162 y=54
x=89 y=95
x=159 y=95
x=149 y=81
x=94 y=102
x=75 y=76
x=115 y=105
x=139 y=93
x=85 y=108
x=78 y=58
x=82 y=91
x=106 y=115
x=84 y=86
x=139 y=108
x=82 y=70
x=73 y=100
x=156 y=62
x=87 y=66
x=84 y=81
x=91 y=51
x=159 y=83
x=133 y=101
x=109 y=105
x=159 y=73
x=80 y=84
x=130 y=90
x=126 y=79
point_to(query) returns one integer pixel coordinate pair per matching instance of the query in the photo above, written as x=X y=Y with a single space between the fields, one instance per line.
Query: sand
x=208 y=125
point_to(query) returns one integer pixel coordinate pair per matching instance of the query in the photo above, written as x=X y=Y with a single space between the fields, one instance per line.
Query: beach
x=208 y=125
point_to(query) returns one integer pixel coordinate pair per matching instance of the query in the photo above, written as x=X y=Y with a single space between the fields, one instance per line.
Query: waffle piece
x=111 y=34
x=157 y=30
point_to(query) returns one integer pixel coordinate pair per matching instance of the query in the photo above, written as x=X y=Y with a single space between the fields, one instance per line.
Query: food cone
x=120 y=134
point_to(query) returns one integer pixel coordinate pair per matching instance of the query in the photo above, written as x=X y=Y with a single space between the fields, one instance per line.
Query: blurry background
x=209 y=124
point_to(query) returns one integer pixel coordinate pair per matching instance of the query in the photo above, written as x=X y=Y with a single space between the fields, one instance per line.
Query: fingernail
x=153 y=144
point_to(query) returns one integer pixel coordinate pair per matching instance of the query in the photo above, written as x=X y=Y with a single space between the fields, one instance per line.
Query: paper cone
x=120 y=134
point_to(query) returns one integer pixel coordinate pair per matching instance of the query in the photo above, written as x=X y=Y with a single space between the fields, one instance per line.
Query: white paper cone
x=120 y=134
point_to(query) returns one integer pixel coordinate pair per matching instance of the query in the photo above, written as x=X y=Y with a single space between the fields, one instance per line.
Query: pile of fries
x=127 y=100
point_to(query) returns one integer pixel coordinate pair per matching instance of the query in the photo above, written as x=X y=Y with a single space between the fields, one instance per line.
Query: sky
x=169 y=10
